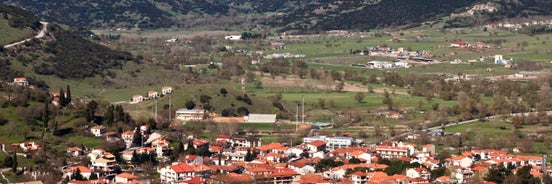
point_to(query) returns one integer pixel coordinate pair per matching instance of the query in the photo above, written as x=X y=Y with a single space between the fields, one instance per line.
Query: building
x=175 y=173
x=84 y=171
x=332 y=142
x=21 y=81
x=137 y=99
x=153 y=94
x=190 y=114
x=128 y=137
x=105 y=165
x=125 y=178
x=248 y=142
x=166 y=90
x=233 y=37
x=98 y=131
x=260 y=118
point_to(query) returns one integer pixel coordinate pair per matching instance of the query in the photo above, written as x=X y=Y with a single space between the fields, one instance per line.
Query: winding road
x=39 y=35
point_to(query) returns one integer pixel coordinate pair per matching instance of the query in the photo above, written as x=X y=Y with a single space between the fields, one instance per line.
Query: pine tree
x=68 y=96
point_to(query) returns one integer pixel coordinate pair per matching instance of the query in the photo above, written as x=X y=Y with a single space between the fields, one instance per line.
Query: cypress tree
x=45 y=117
x=61 y=98
x=68 y=96
x=137 y=139
x=77 y=175
x=14 y=163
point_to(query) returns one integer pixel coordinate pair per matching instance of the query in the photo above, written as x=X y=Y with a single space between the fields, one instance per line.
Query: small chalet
x=137 y=99
x=21 y=81
x=166 y=90
x=153 y=94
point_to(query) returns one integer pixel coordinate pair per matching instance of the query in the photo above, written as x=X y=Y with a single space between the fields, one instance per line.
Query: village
x=241 y=158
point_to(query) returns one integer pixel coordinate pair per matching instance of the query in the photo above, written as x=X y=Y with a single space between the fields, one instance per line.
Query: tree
x=77 y=175
x=61 y=98
x=525 y=176
x=90 y=111
x=321 y=103
x=249 y=156
x=498 y=174
x=93 y=176
x=204 y=99
x=242 y=111
x=223 y=91
x=45 y=117
x=137 y=139
x=8 y=161
x=354 y=160
x=68 y=96
x=190 y=104
x=339 y=87
x=109 y=116
x=387 y=100
x=14 y=163
x=359 y=97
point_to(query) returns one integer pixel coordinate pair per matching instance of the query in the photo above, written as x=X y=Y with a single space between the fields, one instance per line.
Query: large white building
x=332 y=142
x=190 y=114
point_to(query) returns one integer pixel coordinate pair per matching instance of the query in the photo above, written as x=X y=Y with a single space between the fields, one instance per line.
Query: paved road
x=39 y=35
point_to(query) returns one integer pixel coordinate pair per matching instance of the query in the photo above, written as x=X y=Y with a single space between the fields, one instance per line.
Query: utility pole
x=155 y=114
x=297 y=116
x=303 y=111
x=170 y=110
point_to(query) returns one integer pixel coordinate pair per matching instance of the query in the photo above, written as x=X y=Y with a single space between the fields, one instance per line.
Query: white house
x=175 y=172
x=419 y=172
x=125 y=178
x=85 y=171
x=128 y=137
x=153 y=94
x=233 y=37
x=332 y=142
x=137 y=99
x=166 y=90
x=98 y=131
x=21 y=81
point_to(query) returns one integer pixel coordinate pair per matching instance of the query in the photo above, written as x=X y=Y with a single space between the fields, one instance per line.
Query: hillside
x=283 y=15
x=59 y=53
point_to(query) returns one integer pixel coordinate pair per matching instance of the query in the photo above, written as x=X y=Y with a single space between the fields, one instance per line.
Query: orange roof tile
x=127 y=176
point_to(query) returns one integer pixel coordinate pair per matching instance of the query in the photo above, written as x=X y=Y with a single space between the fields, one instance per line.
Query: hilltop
x=283 y=15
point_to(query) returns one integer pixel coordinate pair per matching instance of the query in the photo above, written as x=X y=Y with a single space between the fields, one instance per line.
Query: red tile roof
x=127 y=176
x=181 y=168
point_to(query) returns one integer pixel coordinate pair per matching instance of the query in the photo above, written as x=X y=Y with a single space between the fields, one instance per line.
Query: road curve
x=39 y=35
